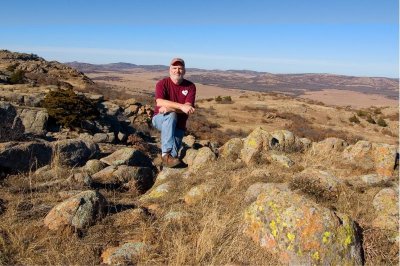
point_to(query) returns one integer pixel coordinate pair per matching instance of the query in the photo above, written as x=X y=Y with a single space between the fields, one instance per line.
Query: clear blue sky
x=350 y=37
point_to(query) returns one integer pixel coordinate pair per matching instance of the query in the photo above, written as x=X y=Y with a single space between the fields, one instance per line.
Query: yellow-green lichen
x=345 y=233
x=347 y=241
x=291 y=237
x=252 y=143
x=326 y=236
x=315 y=255
x=274 y=229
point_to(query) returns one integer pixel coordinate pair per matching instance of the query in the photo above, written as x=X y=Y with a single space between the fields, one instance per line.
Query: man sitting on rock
x=174 y=98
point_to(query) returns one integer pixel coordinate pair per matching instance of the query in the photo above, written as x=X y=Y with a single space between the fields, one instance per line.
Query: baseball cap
x=177 y=60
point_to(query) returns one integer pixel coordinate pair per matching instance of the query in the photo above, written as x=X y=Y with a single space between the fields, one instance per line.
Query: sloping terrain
x=267 y=179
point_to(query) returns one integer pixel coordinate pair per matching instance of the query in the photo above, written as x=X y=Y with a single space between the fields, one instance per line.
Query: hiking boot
x=169 y=161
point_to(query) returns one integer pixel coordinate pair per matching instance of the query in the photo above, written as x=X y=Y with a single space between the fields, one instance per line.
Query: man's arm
x=169 y=106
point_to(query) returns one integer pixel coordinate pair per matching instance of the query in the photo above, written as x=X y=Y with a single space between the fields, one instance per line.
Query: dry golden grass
x=211 y=234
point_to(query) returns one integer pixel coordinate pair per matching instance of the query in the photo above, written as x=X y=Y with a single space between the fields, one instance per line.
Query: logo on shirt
x=185 y=92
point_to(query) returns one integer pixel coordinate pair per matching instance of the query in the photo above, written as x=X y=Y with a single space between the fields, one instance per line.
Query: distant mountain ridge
x=295 y=84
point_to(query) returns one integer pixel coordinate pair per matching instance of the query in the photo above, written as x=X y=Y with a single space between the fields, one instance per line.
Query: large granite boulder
x=34 y=120
x=300 y=231
x=79 y=211
x=387 y=209
x=24 y=156
x=127 y=156
x=327 y=146
x=253 y=146
x=231 y=149
x=204 y=156
x=74 y=152
x=372 y=156
x=11 y=126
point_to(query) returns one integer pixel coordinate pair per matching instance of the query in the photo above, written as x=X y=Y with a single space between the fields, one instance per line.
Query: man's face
x=177 y=72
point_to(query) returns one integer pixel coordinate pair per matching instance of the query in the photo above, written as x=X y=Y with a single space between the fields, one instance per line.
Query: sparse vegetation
x=370 y=120
x=17 y=77
x=361 y=113
x=11 y=67
x=68 y=109
x=354 y=119
x=381 y=122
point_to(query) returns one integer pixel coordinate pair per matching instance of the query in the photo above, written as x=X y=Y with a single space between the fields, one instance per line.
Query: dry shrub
x=138 y=142
x=313 y=188
x=381 y=122
x=377 y=248
x=354 y=119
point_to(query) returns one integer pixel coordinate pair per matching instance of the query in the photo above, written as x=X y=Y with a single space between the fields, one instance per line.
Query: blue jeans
x=171 y=137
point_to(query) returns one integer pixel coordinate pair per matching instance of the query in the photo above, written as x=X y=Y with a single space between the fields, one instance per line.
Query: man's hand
x=164 y=110
x=187 y=109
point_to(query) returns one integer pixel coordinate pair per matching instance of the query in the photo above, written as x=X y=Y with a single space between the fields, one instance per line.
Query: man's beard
x=178 y=78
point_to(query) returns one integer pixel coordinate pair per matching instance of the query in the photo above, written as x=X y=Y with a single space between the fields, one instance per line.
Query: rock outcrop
x=300 y=231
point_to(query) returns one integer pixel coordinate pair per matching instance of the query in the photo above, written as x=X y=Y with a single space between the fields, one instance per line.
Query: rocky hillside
x=92 y=191
x=20 y=68
x=269 y=197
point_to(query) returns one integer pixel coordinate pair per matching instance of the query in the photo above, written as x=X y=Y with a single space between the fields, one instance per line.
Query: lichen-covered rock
x=231 y=149
x=365 y=181
x=189 y=156
x=169 y=173
x=253 y=145
x=372 y=156
x=385 y=202
x=203 y=157
x=327 y=146
x=283 y=140
x=104 y=137
x=386 y=207
x=127 y=156
x=305 y=143
x=34 y=120
x=124 y=254
x=79 y=211
x=189 y=141
x=158 y=192
x=257 y=188
x=74 y=152
x=300 y=231
x=320 y=183
x=93 y=166
x=360 y=154
x=117 y=175
x=282 y=160
x=197 y=193
x=384 y=158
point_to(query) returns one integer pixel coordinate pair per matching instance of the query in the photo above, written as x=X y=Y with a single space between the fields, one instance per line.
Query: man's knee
x=171 y=116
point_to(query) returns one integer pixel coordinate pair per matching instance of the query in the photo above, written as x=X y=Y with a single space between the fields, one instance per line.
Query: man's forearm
x=170 y=105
